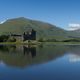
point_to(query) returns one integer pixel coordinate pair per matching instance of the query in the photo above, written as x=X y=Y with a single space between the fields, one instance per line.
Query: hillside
x=43 y=29
x=75 y=33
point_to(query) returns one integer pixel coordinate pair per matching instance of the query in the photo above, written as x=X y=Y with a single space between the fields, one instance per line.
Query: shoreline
x=38 y=43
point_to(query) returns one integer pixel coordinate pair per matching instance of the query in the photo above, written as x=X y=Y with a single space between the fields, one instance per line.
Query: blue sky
x=58 y=12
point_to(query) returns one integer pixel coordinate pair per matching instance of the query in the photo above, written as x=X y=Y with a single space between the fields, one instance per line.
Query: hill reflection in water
x=23 y=55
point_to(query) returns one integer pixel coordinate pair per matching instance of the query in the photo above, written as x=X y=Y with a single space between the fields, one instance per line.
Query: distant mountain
x=43 y=29
x=74 y=34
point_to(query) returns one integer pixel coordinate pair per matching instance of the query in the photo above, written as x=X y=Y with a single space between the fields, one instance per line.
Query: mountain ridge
x=44 y=30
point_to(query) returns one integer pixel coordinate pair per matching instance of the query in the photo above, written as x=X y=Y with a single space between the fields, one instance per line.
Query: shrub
x=4 y=38
x=72 y=40
x=12 y=39
x=41 y=40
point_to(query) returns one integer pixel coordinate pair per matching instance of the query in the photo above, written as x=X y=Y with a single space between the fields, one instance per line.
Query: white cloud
x=2 y=22
x=73 y=26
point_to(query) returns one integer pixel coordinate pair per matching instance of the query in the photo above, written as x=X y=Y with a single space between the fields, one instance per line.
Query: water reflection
x=44 y=62
x=29 y=51
x=24 y=55
x=73 y=58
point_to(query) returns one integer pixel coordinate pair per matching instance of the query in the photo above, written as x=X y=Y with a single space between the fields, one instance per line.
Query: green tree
x=4 y=38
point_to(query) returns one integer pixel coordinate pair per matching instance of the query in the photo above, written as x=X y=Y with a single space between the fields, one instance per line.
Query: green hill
x=75 y=33
x=43 y=29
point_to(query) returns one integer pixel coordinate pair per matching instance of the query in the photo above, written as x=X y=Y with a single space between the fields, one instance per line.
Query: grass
x=20 y=43
x=38 y=43
x=63 y=43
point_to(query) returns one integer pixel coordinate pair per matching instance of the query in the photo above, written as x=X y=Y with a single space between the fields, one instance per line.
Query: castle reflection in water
x=24 y=50
x=29 y=51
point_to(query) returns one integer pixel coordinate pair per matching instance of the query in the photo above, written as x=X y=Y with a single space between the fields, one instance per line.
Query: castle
x=28 y=35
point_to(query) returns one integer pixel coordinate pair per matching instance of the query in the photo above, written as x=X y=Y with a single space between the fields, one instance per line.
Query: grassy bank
x=62 y=43
x=37 y=43
x=20 y=43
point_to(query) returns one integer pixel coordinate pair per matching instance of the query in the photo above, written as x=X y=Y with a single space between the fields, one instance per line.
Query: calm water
x=44 y=62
